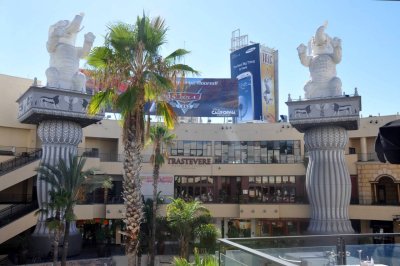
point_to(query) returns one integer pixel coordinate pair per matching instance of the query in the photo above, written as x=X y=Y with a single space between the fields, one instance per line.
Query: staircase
x=18 y=169
x=17 y=218
x=20 y=160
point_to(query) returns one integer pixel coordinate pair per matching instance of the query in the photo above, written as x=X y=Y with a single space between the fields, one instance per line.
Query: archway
x=386 y=191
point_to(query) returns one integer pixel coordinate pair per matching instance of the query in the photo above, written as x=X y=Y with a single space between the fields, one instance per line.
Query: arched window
x=386 y=190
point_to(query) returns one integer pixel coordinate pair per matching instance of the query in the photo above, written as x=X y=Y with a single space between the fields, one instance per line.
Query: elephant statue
x=63 y=72
x=321 y=56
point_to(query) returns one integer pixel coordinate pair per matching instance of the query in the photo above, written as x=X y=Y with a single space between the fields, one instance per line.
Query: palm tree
x=131 y=70
x=53 y=209
x=66 y=179
x=159 y=136
x=184 y=217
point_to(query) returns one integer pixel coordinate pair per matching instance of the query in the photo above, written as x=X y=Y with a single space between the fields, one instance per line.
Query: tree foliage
x=131 y=72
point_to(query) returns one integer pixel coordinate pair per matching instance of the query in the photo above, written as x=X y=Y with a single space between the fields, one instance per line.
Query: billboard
x=269 y=83
x=205 y=97
x=245 y=68
x=255 y=70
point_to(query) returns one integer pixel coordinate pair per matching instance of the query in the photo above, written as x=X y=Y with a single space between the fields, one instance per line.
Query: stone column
x=363 y=145
x=60 y=139
x=328 y=181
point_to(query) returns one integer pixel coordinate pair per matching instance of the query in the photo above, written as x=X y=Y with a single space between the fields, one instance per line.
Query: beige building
x=251 y=176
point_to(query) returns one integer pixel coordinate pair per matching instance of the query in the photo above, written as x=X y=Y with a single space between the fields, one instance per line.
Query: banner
x=268 y=84
x=204 y=97
x=245 y=67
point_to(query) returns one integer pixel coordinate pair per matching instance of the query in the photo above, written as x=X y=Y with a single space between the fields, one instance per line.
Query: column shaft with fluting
x=328 y=181
x=60 y=139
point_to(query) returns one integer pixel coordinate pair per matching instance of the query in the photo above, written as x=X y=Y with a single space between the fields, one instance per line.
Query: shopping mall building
x=251 y=176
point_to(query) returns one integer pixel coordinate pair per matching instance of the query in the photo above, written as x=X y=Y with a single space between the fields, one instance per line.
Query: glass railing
x=349 y=249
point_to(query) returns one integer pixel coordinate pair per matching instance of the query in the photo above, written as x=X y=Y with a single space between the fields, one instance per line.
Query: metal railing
x=13 y=212
x=21 y=159
x=15 y=151
x=15 y=197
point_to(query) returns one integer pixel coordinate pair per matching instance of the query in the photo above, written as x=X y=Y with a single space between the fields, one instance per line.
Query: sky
x=369 y=31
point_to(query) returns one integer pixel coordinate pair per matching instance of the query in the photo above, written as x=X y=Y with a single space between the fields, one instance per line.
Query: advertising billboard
x=204 y=97
x=255 y=70
x=269 y=83
x=245 y=68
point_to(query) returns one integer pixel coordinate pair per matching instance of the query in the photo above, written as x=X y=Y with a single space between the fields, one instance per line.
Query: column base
x=329 y=227
x=41 y=245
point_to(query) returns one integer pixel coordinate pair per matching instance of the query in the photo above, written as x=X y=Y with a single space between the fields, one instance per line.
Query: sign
x=192 y=161
x=255 y=69
x=165 y=185
x=245 y=68
x=202 y=97
x=269 y=91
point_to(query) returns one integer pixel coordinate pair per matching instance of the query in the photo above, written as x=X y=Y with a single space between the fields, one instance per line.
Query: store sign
x=165 y=185
x=189 y=161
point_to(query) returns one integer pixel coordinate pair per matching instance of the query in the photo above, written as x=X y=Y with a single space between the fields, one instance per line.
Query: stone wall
x=371 y=172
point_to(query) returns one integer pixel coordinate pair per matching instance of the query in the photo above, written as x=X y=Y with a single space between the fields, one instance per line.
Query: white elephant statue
x=63 y=72
x=325 y=54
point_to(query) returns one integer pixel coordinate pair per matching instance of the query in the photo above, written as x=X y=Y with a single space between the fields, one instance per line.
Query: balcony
x=367 y=157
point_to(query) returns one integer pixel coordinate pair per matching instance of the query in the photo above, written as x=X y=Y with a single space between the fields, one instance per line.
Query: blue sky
x=369 y=31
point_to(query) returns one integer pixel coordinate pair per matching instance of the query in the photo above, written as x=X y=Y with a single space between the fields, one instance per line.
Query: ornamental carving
x=59 y=132
x=325 y=137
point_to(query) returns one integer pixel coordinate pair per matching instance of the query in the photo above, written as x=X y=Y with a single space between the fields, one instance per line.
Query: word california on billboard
x=255 y=69
x=204 y=97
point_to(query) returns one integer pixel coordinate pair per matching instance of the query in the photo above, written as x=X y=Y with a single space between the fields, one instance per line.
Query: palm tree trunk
x=105 y=195
x=156 y=173
x=65 y=243
x=184 y=252
x=55 y=244
x=132 y=195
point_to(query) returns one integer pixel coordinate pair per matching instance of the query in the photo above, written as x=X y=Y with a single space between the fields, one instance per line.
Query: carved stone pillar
x=60 y=139
x=328 y=181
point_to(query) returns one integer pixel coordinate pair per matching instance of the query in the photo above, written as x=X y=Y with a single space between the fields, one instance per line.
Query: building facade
x=251 y=176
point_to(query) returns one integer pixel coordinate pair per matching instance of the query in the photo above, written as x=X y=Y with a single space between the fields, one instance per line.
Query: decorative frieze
x=42 y=103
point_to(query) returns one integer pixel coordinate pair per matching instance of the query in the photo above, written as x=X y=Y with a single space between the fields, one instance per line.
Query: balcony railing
x=367 y=157
x=21 y=159
x=13 y=212
x=15 y=197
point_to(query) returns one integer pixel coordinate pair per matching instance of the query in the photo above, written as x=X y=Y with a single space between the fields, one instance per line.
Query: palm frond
x=101 y=100
x=128 y=101
x=99 y=57
x=121 y=38
x=182 y=68
x=165 y=110
x=176 y=55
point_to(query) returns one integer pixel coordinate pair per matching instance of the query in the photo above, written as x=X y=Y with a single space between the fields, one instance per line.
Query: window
x=190 y=148
x=274 y=189
x=194 y=187
x=257 y=152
